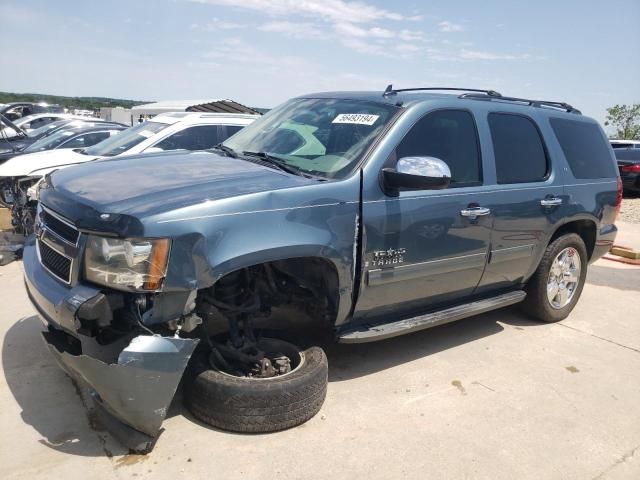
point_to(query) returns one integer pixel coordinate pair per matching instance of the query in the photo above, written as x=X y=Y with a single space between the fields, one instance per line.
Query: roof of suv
x=199 y=117
x=410 y=97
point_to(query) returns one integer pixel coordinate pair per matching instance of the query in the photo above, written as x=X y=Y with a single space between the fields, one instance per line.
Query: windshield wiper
x=277 y=162
x=230 y=152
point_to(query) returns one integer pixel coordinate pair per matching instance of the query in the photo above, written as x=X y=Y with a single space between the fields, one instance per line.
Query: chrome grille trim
x=66 y=280
x=48 y=234
x=51 y=229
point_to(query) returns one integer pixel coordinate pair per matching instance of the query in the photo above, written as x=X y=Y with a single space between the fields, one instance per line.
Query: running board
x=371 y=333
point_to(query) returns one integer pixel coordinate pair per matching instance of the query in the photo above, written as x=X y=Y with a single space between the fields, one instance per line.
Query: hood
x=24 y=165
x=148 y=184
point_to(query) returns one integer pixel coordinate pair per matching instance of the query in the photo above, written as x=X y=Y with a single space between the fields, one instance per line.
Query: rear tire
x=537 y=304
x=252 y=405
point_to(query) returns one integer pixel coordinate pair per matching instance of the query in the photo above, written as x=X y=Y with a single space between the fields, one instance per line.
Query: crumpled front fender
x=138 y=389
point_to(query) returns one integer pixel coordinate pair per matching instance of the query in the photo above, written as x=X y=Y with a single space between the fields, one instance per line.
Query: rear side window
x=199 y=137
x=585 y=148
x=230 y=130
x=519 y=152
x=451 y=136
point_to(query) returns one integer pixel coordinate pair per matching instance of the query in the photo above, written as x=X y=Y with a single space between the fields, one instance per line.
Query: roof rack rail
x=391 y=91
x=533 y=103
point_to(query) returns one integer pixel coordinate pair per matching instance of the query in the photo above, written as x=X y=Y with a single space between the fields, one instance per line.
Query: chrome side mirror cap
x=416 y=173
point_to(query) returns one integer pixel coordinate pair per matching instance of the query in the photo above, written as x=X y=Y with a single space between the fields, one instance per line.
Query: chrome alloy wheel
x=564 y=277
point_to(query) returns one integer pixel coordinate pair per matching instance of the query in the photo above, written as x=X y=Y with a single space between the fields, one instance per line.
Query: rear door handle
x=474 y=212
x=551 y=202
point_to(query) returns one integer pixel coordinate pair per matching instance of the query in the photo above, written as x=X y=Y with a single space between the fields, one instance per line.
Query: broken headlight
x=131 y=264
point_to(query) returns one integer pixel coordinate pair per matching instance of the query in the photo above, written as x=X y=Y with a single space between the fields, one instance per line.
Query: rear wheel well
x=291 y=293
x=585 y=228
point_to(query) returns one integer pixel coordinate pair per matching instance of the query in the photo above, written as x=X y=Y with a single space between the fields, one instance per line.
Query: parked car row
x=62 y=143
x=16 y=110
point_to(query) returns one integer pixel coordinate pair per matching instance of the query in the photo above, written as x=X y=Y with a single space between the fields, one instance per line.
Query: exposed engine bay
x=18 y=195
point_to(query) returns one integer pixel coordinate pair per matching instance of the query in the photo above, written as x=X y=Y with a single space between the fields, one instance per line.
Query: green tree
x=626 y=120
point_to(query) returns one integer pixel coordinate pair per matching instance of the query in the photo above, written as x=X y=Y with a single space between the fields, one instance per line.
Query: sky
x=262 y=52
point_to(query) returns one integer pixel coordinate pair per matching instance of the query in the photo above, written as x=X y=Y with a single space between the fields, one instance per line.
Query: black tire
x=536 y=304
x=240 y=404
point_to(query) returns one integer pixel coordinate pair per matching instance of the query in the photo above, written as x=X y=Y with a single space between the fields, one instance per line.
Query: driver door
x=422 y=249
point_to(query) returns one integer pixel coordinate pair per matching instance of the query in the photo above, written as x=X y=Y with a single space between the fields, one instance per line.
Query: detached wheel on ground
x=258 y=405
x=555 y=287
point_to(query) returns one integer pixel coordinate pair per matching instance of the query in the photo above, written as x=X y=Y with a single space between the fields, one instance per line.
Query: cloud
x=236 y=50
x=484 y=55
x=449 y=27
x=410 y=35
x=216 y=24
x=355 y=24
x=350 y=30
x=292 y=29
x=329 y=10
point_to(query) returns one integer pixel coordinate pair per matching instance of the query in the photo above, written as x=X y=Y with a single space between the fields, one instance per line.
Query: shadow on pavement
x=348 y=361
x=46 y=395
x=51 y=406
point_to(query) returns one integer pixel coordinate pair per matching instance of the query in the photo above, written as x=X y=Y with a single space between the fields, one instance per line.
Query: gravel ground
x=630 y=211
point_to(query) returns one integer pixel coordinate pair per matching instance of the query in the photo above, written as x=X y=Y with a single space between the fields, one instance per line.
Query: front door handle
x=474 y=212
x=551 y=202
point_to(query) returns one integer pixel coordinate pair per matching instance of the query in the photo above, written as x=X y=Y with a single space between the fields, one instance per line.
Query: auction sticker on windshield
x=356 y=118
x=146 y=133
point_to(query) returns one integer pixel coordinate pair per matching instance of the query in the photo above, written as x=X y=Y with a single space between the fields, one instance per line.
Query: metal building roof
x=213 y=106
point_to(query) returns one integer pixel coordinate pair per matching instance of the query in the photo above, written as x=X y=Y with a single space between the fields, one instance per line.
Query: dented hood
x=147 y=184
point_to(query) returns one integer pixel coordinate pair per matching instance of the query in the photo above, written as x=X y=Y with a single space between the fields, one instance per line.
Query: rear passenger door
x=525 y=199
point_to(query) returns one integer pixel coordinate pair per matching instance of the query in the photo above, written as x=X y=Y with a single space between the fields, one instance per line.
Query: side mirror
x=416 y=173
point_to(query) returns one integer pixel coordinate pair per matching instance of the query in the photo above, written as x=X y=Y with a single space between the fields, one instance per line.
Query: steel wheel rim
x=564 y=278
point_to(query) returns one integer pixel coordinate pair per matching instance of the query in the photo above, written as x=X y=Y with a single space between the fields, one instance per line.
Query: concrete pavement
x=495 y=396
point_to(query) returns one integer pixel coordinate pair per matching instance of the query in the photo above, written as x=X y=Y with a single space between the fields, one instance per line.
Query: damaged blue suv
x=364 y=214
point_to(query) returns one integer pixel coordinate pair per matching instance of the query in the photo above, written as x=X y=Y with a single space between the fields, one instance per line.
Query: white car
x=37 y=120
x=168 y=131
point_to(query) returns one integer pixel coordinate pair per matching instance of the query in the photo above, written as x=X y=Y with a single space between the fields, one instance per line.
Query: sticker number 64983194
x=357 y=118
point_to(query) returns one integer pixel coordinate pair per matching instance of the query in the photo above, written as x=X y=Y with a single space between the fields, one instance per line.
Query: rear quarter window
x=585 y=148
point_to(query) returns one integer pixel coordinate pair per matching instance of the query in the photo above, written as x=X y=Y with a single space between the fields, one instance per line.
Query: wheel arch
x=317 y=264
x=585 y=227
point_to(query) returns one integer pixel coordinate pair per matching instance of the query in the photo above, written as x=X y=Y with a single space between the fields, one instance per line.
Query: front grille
x=59 y=228
x=57 y=264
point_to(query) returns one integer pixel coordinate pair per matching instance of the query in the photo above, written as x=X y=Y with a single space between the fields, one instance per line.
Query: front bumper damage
x=137 y=390
x=131 y=385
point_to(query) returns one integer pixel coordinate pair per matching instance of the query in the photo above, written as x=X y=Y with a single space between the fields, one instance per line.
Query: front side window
x=199 y=137
x=451 y=136
x=585 y=148
x=321 y=136
x=86 y=140
x=41 y=131
x=518 y=149
x=50 y=141
x=126 y=140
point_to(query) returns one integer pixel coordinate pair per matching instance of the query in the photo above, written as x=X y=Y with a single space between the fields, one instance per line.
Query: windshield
x=50 y=141
x=324 y=137
x=125 y=140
